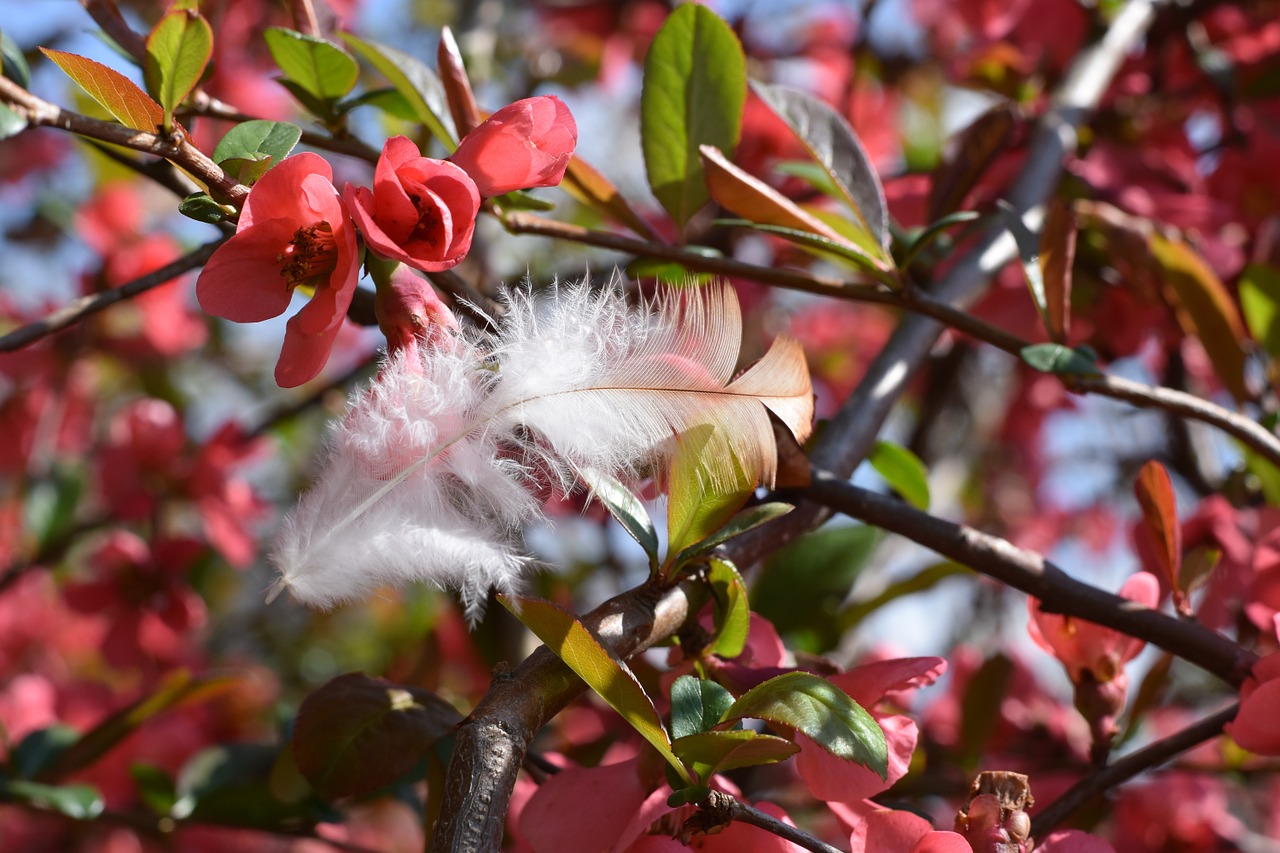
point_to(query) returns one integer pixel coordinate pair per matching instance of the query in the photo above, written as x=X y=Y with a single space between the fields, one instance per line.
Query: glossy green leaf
x=202 y=207
x=387 y=99
x=522 y=200
x=903 y=471
x=1260 y=301
x=604 y=673
x=748 y=519
x=696 y=705
x=323 y=70
x=699 y=504
x=79 y=802
x=117 y=94
x=256 y=139
x=178 y=49
x=1056 y=358
x=803 y=586
x=821 y=711
x=694 y=92
x=832 y=142
x=732 y=609
x=720 y=751
x=13 y=64
x=626 y=508
x=414 y=80
x=357 y=734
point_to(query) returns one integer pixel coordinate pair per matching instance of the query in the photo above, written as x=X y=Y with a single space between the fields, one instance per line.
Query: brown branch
x=720 y=808
x=89 y=305
x=41 y=113
x=491 y=743
x=1033 y=574
x=1124 y=769
x=106 y=14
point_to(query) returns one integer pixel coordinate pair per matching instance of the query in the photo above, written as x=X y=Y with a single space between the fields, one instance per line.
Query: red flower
x=1255 y=727
x=294 y=230
x=420 y=211
x=1083 y=646
x=525 y=144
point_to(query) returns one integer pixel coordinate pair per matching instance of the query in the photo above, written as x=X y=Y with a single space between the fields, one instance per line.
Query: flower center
x=310 y=257
x=428 y=225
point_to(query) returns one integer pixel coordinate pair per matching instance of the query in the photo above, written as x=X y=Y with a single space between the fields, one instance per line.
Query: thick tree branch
x=41 y=113
x=1124 y=769
x=492 y=742
x=1033 y=574
x=86 y=306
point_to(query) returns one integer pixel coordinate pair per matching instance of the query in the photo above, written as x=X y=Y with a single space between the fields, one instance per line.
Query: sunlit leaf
x=694 y=92
x=585 y=183
x=1260 y=301
x=456 y=83
x=696 y=705
x=752 y=199
x=1154 y=491
x=626 y=508
x=1057 y=254
x=79 y=802
x=820 y=710
x=178 y=49
x=202 y=207
x=721 y=751
x=414 y=80
x=1056 y=358
x=604 y=673
x=357 y=734
x=699 y=504
x=903 y=471
x=733 y=611
x=119 y=95
x=834 y=145
x=13 y=64
x=323 y=70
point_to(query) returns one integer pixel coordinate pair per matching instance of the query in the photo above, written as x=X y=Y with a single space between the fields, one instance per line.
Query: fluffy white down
x=429 y=476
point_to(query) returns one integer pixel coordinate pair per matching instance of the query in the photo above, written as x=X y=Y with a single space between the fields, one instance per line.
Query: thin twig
x=1033 y=574
x=341 y=383
x=86 y=306
x=206 y=105
x=1124 y=769
x=41 y=113
x=720 y=808
x=106 y=14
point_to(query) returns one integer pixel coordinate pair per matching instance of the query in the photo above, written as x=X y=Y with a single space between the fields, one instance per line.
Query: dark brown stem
x=87 y=306
x=720 y=808
x=41 y=113
x=492 y=742
x=1123 y=769
x=1031 y=573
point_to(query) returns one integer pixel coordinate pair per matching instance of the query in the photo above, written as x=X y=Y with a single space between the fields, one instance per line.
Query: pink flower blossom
x=1256 y=727
x=1085 y=647
x=293 y=232
x=525 y=144
x=421 y=212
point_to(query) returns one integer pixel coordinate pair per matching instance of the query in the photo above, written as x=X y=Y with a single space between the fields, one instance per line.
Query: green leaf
x=119 y=95
x=13 y=64
x=11 y=124
x=749 y=519
x=522 y=200
x=155 y=788
x=178 y=49
x=699 y=504
x=694 y=92
x=844 y=251
x=626 y=508
x=230 y=785
x=387 y=99
x=41 y=748
x=719 y=751
x=604 y=673
x=812 y=174
x=924 y=579
x=415 y=81
x=903 y=471
x=696 y=705
x=1056 y=358
x=79 y=802
x=179 y=688
x=357 y=734
x=257 y=139
x=322 y=70
x=733 y=611
x=832 y=143
x=1260 y=301
x=933 y=231
x=202 y=207
x=803 y=586
x=821 y=711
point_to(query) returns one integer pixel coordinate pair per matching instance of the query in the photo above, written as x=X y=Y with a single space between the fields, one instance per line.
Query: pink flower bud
x=525 y=144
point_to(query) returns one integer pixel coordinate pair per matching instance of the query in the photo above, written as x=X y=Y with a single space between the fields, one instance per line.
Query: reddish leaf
x=1057 y=254
x=583 y=182
x=1160 y=514
x=974 y=150
x=457 y=86
x=357 y=734
x=118 y=94
x=750 y=198
x=1204 y=309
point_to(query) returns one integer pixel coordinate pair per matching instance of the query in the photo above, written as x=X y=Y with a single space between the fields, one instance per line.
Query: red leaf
x=1057 y=254
x=1160 y=514
x=131 y=106
x=457 y=86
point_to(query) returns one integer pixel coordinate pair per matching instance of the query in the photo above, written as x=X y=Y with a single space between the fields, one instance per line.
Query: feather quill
x=433 y=472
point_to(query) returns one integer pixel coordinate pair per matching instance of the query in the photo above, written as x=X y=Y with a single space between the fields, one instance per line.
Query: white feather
x=430 y=476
